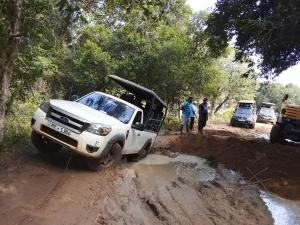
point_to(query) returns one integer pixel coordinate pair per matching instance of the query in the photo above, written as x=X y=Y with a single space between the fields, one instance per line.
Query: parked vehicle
x=287 y=125
x=100 y=126
x=245 y=114
x=266 y=113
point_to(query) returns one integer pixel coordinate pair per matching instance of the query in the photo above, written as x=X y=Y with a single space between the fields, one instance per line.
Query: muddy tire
x=276 y=135
x=142 y=153
x=252 y=126
x=112 y=159
x=43 y=145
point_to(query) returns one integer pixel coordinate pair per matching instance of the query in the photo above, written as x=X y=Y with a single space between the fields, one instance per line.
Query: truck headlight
x=99 y=129
x=44 y=106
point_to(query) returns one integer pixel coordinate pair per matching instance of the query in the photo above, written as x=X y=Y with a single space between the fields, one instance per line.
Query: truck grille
x=67 y=121
x=59 y=136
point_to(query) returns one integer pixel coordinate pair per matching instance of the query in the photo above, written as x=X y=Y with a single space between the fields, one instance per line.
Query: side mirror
x=138 y=126
x=74 y=98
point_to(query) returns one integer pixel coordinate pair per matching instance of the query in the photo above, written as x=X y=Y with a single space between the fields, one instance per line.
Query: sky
x=291 y=75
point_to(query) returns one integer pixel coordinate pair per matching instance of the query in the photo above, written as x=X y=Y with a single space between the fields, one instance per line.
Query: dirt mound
x=276 y=166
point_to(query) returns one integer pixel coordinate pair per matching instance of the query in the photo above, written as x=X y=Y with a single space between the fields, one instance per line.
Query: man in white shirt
x=193 y=114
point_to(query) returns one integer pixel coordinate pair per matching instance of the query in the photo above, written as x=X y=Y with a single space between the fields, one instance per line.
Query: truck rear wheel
x=111 y=159
x=142 y=153
x=43 y=145
x=276 y=135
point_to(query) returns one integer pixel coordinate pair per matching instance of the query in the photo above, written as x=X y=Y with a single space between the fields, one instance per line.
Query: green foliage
x=229 y=113
x=17 y=129
x=274 y=93
x=266 y=28
x=69 y=47
x=171 y=123
x=225 y=85
x=222 y=117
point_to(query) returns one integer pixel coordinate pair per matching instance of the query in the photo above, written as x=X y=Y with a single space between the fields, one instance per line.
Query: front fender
x=118 y=138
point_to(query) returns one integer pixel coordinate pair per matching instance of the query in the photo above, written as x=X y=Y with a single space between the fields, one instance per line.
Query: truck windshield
x=267 y=111
x=110 y=106
x=243 y=111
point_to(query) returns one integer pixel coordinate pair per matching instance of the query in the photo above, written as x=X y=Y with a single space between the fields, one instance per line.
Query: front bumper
x=84 y=143
x=237 y=122
x=265 y=120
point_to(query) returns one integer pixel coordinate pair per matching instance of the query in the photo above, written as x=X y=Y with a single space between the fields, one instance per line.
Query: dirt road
x=165 y=188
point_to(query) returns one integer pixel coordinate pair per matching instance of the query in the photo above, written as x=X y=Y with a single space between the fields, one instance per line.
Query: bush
x=171 y=123
x=17 y=124
x=222 y=117
x=18 y=119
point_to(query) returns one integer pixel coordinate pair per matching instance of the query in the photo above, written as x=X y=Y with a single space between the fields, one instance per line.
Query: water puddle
x=284 y=212
x=187 y=166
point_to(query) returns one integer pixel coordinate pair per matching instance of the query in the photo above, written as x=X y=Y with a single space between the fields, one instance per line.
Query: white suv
x=100 y=126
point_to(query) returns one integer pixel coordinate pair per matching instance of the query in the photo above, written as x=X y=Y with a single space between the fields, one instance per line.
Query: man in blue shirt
x=186 y=113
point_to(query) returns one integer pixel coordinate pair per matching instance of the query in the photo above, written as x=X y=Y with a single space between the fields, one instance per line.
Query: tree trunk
x=221 y=104
x=178 y=111
x=8 y=57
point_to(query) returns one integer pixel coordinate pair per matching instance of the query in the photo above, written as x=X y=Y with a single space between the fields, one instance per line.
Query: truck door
x=135 y=138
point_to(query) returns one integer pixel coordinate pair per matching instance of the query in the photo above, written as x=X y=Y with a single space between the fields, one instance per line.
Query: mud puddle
x=192 y=168
x=165 y=169
x=284 y=212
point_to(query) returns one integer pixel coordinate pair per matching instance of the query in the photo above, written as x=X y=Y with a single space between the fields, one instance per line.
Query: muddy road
x=274 y=167
x=170 y=186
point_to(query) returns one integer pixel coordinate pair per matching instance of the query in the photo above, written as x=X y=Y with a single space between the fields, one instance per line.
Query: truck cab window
x=138 y=117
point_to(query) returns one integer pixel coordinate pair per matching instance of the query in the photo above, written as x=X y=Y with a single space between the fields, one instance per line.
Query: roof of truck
x=137 y=89
x=267 y=103
x=247 y=101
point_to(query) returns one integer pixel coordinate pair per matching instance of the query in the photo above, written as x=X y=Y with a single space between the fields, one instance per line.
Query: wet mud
x=274 y=167
x=176 y=189
x=173 y=185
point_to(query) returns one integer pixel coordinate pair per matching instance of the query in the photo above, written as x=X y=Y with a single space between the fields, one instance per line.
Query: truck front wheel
x=276 y=135
x=111 y=159
x=43 y=145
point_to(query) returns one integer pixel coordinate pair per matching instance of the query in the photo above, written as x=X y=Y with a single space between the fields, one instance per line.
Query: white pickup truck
x=100 y=126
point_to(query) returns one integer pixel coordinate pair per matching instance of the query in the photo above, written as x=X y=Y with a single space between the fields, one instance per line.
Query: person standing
x=193 y=115
x=186 y=113
x=203 y=115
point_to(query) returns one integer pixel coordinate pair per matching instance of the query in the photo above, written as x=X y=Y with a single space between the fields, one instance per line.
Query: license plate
x=59 y=128
x=241 y=120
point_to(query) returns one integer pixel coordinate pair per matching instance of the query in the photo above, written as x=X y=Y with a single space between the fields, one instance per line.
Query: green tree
x=10 y=14
x=274 y=93
x=225 y=85
x=269 y=29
